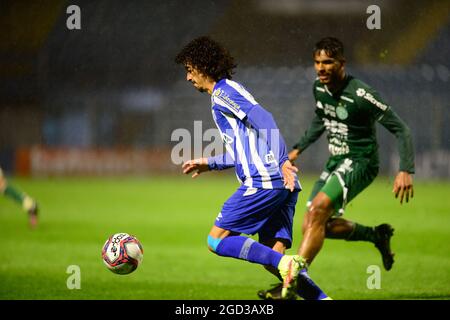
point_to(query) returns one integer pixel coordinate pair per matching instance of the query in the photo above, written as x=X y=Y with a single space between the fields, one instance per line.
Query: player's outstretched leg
x=384 y=232
x=380 y=236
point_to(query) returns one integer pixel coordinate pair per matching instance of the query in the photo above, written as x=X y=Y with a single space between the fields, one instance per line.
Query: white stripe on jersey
x=240 y=149
x=320 y=89
x=241 y=91
x=265 y=176
x=347 y=99
x=240 y=114
x=227 y=145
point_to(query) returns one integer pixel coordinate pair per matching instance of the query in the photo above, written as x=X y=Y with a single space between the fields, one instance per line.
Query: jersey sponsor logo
x=360 y=92
x=337 y=139
x=330 y=110
x=270 y=158
x=334 y=127
x=219 y=93
x=369 y=97
x=336 y=150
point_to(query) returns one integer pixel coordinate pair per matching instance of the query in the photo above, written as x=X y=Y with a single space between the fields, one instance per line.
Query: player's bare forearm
x=403 y=186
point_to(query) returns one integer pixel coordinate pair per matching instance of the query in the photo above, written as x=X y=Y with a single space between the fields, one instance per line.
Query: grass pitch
x=172 y=216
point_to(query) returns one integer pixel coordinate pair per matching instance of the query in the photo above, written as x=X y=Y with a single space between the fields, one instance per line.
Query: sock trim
x=213 y=242
x=243 y=254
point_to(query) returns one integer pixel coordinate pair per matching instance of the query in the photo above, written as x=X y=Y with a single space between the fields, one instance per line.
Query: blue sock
x=248 y=249
x=307 y=289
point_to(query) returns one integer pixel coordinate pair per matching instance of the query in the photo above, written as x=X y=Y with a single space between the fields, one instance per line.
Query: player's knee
x=318 y=214
x=213 y=243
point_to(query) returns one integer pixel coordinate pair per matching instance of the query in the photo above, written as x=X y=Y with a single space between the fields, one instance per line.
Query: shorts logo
x=219 y=216
x=345 y=167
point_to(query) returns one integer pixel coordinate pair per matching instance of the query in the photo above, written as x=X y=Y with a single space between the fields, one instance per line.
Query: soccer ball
x=122 y=253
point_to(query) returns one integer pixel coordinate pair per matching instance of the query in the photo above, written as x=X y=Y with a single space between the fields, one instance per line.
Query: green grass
x=172 y=217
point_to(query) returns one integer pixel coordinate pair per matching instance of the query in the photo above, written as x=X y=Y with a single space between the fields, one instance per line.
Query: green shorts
x=343 y=179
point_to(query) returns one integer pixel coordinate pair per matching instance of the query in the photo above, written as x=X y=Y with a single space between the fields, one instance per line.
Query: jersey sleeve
x=313 y=133
x=371 y=101
x=392 y=122
x=221 y=162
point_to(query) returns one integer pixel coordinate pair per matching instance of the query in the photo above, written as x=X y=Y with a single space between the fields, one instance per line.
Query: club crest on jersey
x=341 y=112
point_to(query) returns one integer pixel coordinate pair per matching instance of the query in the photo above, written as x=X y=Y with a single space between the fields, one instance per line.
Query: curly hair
x=333 y=47
x=208 y=57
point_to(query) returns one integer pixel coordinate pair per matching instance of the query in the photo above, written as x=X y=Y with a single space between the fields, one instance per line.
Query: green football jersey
x=349 y=118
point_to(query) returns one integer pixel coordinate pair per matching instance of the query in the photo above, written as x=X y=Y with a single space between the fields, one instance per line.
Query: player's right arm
x=313 y=133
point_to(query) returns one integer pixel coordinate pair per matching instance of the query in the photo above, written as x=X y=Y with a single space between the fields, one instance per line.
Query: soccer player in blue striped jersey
x=265 y=202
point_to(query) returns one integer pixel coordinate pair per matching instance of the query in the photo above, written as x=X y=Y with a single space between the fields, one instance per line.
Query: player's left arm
x=371 y=101
x=403 y=183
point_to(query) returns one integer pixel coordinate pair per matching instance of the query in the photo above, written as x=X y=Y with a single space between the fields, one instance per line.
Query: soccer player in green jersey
x=27 y=203
x=347 y=109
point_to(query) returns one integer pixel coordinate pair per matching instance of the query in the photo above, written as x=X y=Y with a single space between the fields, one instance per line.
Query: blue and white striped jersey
x=252 y=139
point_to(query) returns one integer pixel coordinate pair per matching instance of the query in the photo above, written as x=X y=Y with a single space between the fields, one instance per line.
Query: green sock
x=362 y=233
x=13 y=194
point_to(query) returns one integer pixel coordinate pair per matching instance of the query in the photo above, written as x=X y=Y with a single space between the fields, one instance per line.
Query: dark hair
x=333 y=47
x=208 y=57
